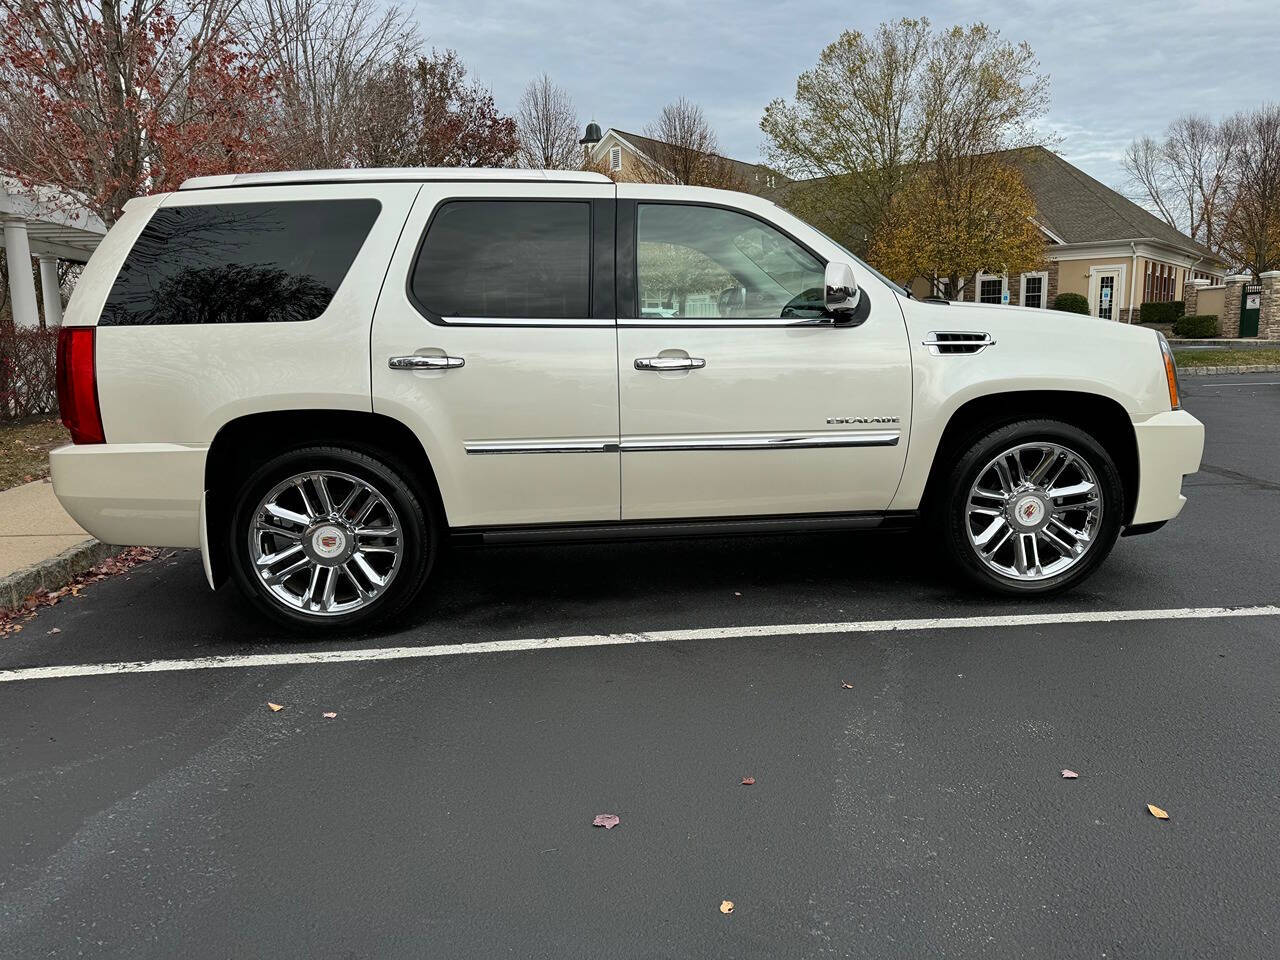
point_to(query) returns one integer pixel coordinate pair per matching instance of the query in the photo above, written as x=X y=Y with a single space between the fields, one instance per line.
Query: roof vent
x=593 y=134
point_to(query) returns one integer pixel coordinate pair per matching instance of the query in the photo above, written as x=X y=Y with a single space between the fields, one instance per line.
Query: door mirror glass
x=841 y=293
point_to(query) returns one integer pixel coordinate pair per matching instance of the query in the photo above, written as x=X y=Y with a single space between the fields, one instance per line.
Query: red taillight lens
x=78 y=385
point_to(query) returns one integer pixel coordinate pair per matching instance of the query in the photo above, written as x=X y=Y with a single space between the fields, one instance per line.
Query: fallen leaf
x=736 y=593
x=56 y=630
x=328 y=716
x=1069 y=775
x=275 y=707
x=606 y=820
x=748 y=781
x=726 y=906
x=1157 y=812
x=846 y=686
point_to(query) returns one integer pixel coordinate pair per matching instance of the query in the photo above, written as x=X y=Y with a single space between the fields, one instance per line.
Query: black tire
x=952 y=516
x=420 y=535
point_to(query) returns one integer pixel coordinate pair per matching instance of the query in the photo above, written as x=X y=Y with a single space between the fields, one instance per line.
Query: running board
x=672 y=529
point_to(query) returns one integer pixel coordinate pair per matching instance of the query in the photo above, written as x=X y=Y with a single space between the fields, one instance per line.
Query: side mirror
x=841 y=295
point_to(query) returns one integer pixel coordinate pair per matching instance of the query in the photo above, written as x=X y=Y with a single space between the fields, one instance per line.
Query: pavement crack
x=1245 y=478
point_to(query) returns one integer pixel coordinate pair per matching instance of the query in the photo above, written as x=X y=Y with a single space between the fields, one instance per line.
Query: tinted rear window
x=239 y=262
x=518 y=259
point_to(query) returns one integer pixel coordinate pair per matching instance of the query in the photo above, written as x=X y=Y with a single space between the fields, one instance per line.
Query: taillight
x=78 y=385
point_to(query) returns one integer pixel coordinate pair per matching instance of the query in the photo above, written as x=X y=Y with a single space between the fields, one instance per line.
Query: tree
x=547 y=128
x=328 y=55
x=685 y=150
x=948 y=225
x=1186 y=176
x=428 y=114
x=109 y=99
x=1251 y=225
x=903 y=110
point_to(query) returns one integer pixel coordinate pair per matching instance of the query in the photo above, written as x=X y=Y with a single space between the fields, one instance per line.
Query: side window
x=697 y=262
x=239 y=262
x=506 y=259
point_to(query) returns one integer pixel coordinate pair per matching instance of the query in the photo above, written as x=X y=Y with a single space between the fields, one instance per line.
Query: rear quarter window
x=271 y=262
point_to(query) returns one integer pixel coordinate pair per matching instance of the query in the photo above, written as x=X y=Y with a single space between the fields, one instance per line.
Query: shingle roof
x=1079 y=209
x=652 y=148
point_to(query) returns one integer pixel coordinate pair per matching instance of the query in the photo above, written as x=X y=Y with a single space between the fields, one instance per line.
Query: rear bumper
x=1169 y=447
x=136 y=494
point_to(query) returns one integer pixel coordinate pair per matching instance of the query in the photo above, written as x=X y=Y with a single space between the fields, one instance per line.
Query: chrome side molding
x=773 y=441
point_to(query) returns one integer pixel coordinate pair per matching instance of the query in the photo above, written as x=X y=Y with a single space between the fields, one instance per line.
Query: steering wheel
x=730 y=299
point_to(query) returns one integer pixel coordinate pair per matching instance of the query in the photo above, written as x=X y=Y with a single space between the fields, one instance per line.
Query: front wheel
x=1032 y=508
x=330 y=538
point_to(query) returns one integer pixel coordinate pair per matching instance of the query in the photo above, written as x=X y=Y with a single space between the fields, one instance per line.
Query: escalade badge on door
x=863 y=419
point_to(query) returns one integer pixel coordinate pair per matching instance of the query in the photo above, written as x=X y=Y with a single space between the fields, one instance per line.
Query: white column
x=22 y=288
x=50 y=291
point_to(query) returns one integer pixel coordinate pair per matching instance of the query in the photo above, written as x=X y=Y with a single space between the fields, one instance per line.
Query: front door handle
x=420 y=361
x=670 y=363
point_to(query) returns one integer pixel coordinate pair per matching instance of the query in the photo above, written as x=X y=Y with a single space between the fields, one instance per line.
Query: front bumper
x=135 y=494
x=1169 y=447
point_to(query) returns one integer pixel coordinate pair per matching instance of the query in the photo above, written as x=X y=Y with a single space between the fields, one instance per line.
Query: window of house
x=697 y=262
x=1033 y=290
x=990 y=289
x=615 y=158
x=515 y=259
x=239 y=262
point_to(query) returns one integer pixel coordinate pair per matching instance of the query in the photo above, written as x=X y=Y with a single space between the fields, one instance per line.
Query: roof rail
x=385 y=174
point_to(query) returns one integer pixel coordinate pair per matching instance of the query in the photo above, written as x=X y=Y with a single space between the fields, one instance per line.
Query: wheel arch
x=1099 y=416
x=245 y=443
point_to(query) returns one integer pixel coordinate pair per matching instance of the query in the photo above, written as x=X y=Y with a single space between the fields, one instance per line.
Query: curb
x=54 y=573
x=1237 y=368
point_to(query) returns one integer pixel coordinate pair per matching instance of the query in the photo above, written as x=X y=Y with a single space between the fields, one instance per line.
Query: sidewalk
x=40 y=546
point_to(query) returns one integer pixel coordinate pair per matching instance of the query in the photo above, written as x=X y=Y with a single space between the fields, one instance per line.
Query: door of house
x=1105 y=286
x=1250 y=309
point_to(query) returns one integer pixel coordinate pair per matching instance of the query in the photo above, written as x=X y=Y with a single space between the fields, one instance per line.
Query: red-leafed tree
x=109 y=99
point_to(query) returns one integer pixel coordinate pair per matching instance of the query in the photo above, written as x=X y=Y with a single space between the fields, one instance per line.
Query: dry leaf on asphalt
x=846 y=685
x=606 y=820
x=56 y=630
x=1157 y=812
x=328 y=716
x=726 y=906
x=748 y=781
x=275 y=707
x=1069 y=775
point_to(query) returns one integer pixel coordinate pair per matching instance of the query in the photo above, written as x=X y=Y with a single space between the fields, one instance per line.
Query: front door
x=494 y=342
x=738 y=398
x=1250 y=309
x=1105 y=290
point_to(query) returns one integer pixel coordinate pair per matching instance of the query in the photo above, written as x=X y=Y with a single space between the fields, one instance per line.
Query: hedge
x=1165 y=312
x=1196 y=327
x=1071 y=303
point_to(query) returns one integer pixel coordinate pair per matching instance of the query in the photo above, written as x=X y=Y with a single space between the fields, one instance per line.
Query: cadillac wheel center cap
x=1029 y=511
x=328 y=542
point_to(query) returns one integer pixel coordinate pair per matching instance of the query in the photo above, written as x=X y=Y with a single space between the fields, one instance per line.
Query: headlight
x=1170 y=373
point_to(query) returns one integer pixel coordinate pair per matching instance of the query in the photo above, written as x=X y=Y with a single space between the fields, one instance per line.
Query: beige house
x=1098 y=243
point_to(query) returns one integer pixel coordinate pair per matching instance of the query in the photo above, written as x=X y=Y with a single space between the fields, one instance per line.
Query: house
x=1098 y=243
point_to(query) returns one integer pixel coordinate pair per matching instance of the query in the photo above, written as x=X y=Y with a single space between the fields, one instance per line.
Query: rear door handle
x=420 y=362
x=670 y=363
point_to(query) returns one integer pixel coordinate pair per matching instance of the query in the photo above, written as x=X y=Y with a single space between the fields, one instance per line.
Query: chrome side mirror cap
x=841 y=295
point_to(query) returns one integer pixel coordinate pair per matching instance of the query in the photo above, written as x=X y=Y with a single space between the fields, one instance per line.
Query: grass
x=24 y=449
x=1225 y=358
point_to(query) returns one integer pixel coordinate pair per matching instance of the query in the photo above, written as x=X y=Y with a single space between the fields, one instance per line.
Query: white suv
x=318 y=378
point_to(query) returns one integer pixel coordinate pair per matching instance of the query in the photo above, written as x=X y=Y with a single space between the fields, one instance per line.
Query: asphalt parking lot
x=446 y=810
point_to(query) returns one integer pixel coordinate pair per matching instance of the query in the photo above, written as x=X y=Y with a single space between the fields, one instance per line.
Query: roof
x=382 y=174
x=1079 y=209
x=57 y=223
x=653 y=148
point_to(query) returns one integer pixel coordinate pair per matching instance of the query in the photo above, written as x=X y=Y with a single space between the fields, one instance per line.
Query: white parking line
x=614 y=639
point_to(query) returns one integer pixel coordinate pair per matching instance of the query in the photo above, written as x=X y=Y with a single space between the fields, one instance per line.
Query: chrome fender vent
x=958 y=341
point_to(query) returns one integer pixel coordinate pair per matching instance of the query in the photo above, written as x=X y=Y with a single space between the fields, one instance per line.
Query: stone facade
x=1191 y=296
x=1229 y=322
x=1269 y=319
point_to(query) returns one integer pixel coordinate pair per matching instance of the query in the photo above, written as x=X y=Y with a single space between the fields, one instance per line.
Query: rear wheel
x=327 y=538
x=1032 y=508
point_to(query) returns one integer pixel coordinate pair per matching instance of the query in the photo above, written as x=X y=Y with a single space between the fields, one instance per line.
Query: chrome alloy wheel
x=325 y=543
x=1034 y=511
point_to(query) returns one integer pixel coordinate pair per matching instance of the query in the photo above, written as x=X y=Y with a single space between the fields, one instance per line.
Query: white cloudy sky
x=1119 y=68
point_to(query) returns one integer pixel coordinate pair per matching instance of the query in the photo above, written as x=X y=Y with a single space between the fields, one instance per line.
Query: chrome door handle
x=670 y=363
x=420 y=362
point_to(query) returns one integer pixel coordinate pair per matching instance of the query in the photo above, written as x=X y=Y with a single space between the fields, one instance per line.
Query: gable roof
x=1079 y=209
x=653 y=148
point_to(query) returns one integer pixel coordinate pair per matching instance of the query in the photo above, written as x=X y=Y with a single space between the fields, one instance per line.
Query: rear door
x=737 y=397
x=494 y=341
